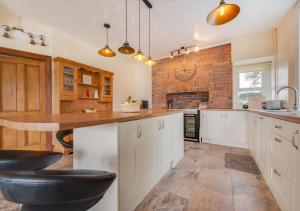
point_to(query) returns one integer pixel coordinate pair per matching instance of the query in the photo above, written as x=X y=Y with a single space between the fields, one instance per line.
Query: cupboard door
x=235 y=129
x=177 y=137
x=215 y=127
x=130 y=172
x=263 y=146
x=106 y=91
x=203 y=124
x=68 y=81
x=148 y=155
x=22 y=90
x=164 y=145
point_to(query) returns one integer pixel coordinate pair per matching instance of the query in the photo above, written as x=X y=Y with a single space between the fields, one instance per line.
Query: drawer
x=285 y=129
x=283 y=151
x=282 y=188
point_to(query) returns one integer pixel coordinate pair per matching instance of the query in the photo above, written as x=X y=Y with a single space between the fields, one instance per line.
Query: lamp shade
x=150 y=62
x=139 y=56
x=107 y=52
x=224 y=13
x=126 y=49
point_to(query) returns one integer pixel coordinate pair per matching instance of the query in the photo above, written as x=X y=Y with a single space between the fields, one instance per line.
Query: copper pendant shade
x=139 y=56
x=150 y=61
x=126 y=49
x=224 y=13
x=107 y=51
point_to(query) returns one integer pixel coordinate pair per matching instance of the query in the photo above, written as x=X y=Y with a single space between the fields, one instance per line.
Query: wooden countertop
x=56 y=122
x=286 y=116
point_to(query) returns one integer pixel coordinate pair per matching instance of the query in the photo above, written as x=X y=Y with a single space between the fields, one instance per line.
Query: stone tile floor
x=200 y=182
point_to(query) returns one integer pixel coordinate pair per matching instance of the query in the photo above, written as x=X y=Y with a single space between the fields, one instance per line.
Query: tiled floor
x=200 y=182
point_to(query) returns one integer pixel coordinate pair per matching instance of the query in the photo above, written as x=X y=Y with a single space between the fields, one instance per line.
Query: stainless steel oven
x=191 y=124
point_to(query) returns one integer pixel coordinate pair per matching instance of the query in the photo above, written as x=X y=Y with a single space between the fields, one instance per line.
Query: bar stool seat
x=59 y=190
x=26 y=159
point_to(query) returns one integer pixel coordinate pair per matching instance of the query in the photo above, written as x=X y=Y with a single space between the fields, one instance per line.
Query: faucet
x=296 y=95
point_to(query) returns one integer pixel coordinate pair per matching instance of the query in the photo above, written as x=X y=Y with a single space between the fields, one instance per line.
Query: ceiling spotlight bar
x=7 y=30
x=184 y=50
x=148 y=4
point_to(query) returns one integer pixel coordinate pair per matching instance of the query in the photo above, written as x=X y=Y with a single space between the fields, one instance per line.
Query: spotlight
x=172 y=55
x=5 y=29
x=30 y=35
x=42 y=38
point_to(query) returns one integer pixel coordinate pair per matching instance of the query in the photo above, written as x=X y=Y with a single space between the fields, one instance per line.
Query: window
x=252 y=83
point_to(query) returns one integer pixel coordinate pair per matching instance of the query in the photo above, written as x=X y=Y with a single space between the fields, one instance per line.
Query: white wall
x=288 y=49
x=253 y=47
x=130 y=78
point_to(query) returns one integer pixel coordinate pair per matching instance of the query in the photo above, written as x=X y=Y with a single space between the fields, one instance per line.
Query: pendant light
x=150 y=61
x=107 y=51
x=224 y=13
x=139 y=56
x=126 y=49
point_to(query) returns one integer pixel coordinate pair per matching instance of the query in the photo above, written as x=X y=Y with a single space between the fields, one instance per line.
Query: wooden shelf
x=88 y=85
x=87 y=98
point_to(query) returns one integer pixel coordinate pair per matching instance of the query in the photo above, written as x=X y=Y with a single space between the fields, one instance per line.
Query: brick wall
x=213 y=73
x=187 y=99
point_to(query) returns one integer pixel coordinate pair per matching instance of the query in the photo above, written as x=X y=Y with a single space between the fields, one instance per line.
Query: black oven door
x=191 y=127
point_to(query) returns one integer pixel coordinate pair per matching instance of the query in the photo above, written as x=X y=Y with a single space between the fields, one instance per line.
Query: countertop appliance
x=191 y=124
x=272 y=105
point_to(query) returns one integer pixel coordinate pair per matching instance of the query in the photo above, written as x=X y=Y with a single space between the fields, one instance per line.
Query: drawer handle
x=278 y=127
x=261 y=118
x=278 y=140
x=277 y=172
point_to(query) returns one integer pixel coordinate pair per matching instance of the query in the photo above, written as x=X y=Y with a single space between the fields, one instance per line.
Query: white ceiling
x=175 y=23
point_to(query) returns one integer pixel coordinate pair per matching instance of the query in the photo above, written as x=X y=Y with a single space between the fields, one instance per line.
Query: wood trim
x=48 y=61
x=60 y=59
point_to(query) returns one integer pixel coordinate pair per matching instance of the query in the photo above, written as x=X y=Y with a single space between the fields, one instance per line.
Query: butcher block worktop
x=56 y=122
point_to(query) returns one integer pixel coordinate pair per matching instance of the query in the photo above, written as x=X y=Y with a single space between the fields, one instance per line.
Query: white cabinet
x=177 y=135
x=147 y=148
x=203 y=127
x=263 y=146
x=215 y=130
x=224 y=128
x=130 y=166
x=235 y=129
x=253 y=135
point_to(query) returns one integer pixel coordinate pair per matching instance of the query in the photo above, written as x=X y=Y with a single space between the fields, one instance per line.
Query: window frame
x=265 y=67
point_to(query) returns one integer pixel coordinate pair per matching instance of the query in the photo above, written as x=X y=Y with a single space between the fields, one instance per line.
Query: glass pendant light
x=224 y=13
x=107 y=51
x=126 y=49
x=150 y=61
x=139 y=56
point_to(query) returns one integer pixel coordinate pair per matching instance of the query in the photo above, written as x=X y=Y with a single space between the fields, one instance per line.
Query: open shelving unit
x=73 y=94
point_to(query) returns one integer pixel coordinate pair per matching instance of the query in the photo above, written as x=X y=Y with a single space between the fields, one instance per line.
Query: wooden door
x=22 y=89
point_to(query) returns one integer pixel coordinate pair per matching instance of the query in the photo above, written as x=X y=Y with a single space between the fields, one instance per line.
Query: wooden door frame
x=48 y=61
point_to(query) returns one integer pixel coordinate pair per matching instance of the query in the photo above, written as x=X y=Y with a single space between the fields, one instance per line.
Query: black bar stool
x=61 y=135
x=26 y=159
x=55 y=190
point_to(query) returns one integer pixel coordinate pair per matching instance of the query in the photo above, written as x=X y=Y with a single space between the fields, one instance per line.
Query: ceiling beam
x=148 y=3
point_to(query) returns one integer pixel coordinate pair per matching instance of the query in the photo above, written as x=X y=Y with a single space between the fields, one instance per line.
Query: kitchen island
x=139 y=147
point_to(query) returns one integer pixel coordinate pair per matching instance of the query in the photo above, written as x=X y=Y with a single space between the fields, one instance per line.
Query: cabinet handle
x=277 y=172
x=163 y=124
x=261 y=118
x=278 y=140
x=278 y=127
x=294 y=141
x=139 y=131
